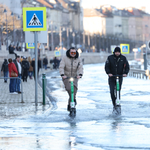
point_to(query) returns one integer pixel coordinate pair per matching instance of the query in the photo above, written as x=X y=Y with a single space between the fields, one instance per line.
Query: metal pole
x=52 y=36
x=36 y=67
x=67 y=38
x=14 y=31
x=7 y=33
x=0 y=37
x=60 y=38
x=44 y=86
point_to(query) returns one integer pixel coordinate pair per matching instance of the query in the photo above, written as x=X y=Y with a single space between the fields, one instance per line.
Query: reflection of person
x=71 y=66
x=5 y=70
x=116 y=64
x=12 y=67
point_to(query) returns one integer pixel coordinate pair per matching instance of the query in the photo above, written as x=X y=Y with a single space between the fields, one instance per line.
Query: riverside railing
x=139 y=73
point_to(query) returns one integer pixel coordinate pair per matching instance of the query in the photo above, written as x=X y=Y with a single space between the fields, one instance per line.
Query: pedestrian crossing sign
x=57 y=53
x=125 y=48
x=34 y=19
x=30 y=45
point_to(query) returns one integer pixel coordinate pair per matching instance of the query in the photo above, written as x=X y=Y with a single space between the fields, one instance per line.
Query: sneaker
x=15 y=93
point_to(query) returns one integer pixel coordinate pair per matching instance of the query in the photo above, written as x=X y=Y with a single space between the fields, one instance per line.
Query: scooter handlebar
x=117 y=76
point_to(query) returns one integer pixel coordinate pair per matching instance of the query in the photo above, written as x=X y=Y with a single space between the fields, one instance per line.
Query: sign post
x=34 y=19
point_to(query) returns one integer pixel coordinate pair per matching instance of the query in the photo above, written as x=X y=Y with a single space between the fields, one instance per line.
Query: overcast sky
x=117 y=3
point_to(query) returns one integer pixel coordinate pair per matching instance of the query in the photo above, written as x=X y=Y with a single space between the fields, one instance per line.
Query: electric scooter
x=117 y=110
x=72 y=103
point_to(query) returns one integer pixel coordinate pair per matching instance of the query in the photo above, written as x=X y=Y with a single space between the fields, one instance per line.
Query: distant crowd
x=23 y=68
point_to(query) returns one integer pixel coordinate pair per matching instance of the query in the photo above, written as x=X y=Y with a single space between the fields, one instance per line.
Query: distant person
x=4 y=69
x=25 y=68
x=12 y=68
x=12 y=49
x=45 y=62
x=19 y=70
x=55 y=61
x=51 y=63
x=38 y=66
x=30 y=72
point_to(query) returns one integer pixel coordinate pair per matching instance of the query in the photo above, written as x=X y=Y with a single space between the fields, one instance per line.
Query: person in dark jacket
x=116 y=64
x=45 y=62
x=4 y=69
x=25 y=69
x=33 y=65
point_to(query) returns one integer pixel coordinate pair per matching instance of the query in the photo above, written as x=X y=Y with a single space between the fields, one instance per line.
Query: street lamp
x=73 y=34
x=12 y=14
x=5 y=11
x=52 y=43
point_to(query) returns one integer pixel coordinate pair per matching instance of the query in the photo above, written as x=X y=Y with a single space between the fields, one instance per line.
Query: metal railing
x=138 y=73
x=21 y=85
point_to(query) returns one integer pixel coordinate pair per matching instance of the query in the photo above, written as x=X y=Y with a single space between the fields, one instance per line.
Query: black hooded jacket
x=5 y=66
x=117 y=65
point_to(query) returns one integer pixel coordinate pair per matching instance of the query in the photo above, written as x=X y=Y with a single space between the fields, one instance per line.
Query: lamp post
x=83 y=40
x=12 y=14
x=73 y=34
x=5 y=11
x=52 y=43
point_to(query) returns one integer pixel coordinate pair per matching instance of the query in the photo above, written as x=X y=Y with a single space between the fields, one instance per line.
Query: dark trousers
x=5 y=75
x=17 y=84
x=25 y=75
x=12 y=85
x=112 y=86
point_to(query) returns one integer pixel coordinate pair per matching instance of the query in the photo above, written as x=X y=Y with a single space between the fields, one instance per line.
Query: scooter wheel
x=72 y=112
x=118 y=109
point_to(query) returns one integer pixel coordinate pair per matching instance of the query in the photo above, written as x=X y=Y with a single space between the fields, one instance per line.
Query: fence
x=139 y=73
x=21 y=85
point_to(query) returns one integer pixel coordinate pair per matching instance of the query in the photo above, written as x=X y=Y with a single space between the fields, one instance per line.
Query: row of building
x=130 y=23
x=69 y=15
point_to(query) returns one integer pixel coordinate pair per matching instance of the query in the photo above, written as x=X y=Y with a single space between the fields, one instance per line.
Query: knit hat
x=117 y=49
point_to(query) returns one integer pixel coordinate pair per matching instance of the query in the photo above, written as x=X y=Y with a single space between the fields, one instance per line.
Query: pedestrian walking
x=12 y=73
x=38 y=66
x=4 y=69
x=45 y=62
x=19 y=69
x=30 y=72
x=25 y=68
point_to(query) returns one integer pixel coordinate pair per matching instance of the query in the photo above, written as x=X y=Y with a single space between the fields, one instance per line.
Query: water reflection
x=72 y=137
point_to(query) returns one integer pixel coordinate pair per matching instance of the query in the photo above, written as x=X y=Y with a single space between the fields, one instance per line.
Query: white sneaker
x=15 y=93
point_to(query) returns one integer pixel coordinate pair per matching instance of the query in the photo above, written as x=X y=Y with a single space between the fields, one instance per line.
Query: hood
x=68 y=54
x=5 y=61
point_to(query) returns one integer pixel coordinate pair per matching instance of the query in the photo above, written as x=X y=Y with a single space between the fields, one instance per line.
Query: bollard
x=44 y=86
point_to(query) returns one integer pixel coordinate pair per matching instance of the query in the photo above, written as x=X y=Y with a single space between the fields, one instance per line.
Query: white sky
x=117 y=3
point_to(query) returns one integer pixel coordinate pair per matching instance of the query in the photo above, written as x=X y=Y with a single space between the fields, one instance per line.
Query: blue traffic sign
x=34 y=19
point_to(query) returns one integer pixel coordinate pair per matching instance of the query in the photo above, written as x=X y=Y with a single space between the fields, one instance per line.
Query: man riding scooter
x=116 y=64
x=71 y=66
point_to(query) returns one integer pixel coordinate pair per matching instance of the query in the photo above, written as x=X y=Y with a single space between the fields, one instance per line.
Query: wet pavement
x=94 y=128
